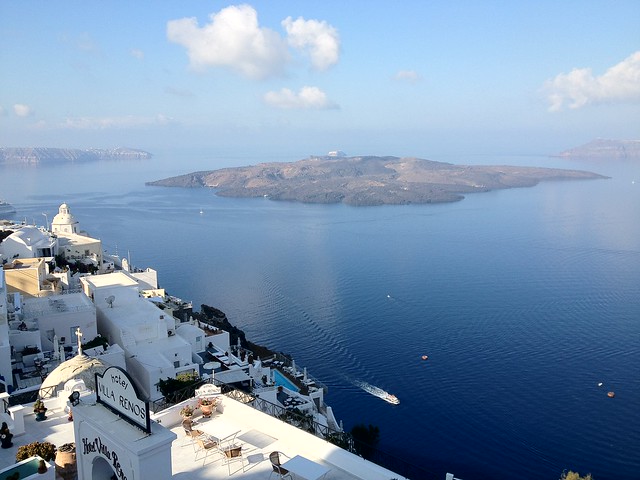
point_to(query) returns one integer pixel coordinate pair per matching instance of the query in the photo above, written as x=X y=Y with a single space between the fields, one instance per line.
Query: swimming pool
x=26 y=468
x=280 y=379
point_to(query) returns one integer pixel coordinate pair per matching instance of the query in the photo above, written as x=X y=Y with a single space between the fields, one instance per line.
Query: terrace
x=258 y=433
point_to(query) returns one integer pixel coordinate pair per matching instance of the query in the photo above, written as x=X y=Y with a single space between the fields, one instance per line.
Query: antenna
x=110 y=299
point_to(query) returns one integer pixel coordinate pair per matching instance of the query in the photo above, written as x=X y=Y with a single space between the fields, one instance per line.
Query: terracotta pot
x=206 y=410
x=66 y=467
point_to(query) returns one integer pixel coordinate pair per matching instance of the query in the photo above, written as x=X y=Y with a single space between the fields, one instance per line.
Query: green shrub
x=44 y=450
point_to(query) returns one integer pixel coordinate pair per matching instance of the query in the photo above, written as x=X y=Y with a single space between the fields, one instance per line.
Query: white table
x=305 y=468
x=219 y=430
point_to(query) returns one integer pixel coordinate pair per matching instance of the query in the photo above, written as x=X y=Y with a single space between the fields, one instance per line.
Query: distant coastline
x=603 y=149
x=42 y=155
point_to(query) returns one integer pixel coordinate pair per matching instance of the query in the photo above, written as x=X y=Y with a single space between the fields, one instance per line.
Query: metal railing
x=305 y=422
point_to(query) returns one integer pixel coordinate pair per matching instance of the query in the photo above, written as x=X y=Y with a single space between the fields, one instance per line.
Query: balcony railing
x=305 y=422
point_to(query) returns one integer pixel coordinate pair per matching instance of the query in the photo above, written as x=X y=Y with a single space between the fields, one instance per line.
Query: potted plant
x=187 y=411
x=5 y=436
x=206 y=406
x=39 y=409
x=66 y=465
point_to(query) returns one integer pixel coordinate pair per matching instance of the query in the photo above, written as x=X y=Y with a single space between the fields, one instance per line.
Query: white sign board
x=116 y=391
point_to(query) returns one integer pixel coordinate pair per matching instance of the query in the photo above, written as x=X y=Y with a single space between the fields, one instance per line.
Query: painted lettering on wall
x=115 y=389
x=97 y=446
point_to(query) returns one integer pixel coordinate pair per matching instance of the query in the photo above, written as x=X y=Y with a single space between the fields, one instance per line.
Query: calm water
x=523 y=299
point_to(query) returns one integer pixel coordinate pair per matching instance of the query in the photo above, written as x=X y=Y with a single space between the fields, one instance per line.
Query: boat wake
x=377 y=392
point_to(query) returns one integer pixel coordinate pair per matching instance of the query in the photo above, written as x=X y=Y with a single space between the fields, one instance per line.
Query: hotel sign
x=116 y=391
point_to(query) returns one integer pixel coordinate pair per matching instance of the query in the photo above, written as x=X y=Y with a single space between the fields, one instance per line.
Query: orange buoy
x=425 y=357
x=611 y=394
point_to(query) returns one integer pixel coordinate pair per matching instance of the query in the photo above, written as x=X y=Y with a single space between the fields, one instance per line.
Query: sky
x=289 y=79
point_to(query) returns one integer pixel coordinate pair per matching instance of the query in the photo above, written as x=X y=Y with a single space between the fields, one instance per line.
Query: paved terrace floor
x=258 y=433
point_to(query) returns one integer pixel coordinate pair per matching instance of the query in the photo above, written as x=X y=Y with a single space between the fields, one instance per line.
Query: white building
x=74 y=244
x=56 y=316
x=27 y=241
x=147 y=334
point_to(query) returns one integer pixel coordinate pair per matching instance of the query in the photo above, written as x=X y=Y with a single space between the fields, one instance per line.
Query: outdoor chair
x=205 y=446
x=231 y=451
x=190 y=435
x=277 y=466
x=230 y=454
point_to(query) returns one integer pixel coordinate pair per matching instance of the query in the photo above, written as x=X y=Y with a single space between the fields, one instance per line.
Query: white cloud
x=104 y=123
x=179 y=92
x=580 y=87
x=22 y=110
x=318 y=39
x=82 y=42
x=232 y=39
x=408 y=76
x=137 y=53
x=306 y=98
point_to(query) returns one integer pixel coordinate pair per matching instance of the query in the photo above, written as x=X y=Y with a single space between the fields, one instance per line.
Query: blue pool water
x=280 y=379
x=26 y=469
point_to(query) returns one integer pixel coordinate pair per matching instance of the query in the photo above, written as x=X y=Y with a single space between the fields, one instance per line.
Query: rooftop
x=258 y=433
x=39 y=306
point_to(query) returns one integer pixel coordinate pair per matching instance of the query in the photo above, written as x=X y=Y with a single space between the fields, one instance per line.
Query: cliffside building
x=147 y=334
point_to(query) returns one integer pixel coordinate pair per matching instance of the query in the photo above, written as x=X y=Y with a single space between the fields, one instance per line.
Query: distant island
x=38 y=155
x=605 y=150
x=367 y=180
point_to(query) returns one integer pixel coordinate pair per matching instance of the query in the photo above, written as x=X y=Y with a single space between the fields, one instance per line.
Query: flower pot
x=206 y=410
x=5 y=440
x=66 y=467
x=41 y=415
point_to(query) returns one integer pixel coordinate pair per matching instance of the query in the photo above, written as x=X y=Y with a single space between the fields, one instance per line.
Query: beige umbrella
x=80 y=366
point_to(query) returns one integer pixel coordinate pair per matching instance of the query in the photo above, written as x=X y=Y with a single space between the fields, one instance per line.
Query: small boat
x=391 y=399
x=611 y=394
x=377 y=392
x=600 y=384
x=6 y=208
x=425 y=357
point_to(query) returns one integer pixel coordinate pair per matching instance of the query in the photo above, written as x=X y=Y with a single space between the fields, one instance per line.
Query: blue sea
x=524 y=301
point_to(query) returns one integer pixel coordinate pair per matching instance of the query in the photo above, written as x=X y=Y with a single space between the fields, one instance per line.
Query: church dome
x=64 y=221
x=80 y=366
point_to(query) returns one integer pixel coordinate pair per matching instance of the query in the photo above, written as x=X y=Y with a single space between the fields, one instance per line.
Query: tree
x=179 y=388
x=365 y=439
x=574 y=476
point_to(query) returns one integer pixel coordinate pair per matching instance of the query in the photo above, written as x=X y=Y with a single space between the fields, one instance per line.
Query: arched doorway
x=101 y=470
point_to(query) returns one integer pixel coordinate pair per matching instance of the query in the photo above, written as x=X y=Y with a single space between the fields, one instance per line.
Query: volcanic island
x=367 y=180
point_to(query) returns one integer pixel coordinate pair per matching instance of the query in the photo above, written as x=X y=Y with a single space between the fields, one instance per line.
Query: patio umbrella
x=211 y=365
x=304 y=374
x=80 y=366
x=293 y=366
x=56 y=345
